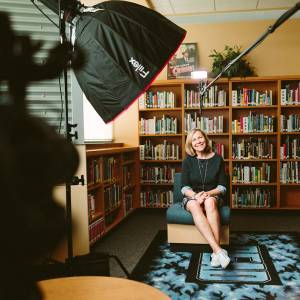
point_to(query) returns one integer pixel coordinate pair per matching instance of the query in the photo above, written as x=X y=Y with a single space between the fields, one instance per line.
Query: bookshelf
x=161 y=129
x=112 y=185
x=254 y=123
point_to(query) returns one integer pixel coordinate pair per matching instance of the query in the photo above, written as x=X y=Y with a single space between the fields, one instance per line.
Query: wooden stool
x=189 y=234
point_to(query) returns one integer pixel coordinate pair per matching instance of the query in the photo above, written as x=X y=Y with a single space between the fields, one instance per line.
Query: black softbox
x=126 y=46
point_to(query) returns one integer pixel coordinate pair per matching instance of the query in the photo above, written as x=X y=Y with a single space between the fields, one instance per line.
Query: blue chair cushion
x=176 y=214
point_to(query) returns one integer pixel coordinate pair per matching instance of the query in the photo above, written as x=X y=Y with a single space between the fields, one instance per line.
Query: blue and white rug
x=264 y=266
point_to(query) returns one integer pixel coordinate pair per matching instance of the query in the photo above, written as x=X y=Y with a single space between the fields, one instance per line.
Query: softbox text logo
x=139 y=68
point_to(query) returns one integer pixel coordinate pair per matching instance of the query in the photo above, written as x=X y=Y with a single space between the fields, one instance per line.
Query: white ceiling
x=198 y=11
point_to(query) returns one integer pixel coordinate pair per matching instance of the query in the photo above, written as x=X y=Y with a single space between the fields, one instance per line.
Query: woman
x=203 y=186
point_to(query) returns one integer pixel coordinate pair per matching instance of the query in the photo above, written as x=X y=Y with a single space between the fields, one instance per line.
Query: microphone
x=284 y=17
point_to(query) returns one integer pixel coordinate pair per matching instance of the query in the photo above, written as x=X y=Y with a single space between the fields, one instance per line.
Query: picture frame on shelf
x=183 y=62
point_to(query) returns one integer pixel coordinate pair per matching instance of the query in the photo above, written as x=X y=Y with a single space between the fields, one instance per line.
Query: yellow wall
x=278 y=54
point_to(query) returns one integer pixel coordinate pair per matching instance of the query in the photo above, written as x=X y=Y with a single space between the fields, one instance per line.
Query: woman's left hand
x=201 y=197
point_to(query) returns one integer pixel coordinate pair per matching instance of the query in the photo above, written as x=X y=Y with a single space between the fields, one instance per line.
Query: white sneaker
x=215 y=260
x=223 y=258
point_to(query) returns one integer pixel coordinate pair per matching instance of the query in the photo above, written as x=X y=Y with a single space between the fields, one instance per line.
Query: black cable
x=44 y=13
x=120 y=264
x=62 y=105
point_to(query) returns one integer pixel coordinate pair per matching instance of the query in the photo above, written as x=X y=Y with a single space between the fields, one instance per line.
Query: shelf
x=109 y=182
x=129 y=162
x=215 y=134
x=254 y=106
x=93 y=186
x=160 y=161
x=290 y=207
x=128 y=187
x=112 y=225
x=290 y=159
x=108 y=151
x=255 y=160
x=294 y=133
x=254 y=184
x=160 y=134
x=113 y=209
x=157 y=184
x=254 y=208
x=254 y=133
x=290 y=184
x=207 y=108
x=290 y=106
x=160 y=109
x=95 y=216
x=267 y=208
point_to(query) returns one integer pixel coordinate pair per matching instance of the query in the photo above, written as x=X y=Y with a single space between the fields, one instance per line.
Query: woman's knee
x=193 y=205
x=211 y=204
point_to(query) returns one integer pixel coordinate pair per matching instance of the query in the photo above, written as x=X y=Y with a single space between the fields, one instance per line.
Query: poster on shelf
x=183 y=62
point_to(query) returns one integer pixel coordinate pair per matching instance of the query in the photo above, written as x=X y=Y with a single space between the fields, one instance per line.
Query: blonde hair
x=188 y=143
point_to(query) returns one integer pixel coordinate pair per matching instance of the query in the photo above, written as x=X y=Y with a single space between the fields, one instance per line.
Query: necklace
x=203 y=177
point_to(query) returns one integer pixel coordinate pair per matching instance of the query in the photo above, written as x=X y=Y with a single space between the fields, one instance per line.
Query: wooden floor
x=132 y=237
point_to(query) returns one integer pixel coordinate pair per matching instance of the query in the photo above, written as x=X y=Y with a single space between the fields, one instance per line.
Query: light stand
x=90 y=264
x=68 y=127
x=270 y=29
x=202 y=77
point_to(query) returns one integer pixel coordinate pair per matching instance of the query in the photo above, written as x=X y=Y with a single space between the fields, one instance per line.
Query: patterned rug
x=264 y=266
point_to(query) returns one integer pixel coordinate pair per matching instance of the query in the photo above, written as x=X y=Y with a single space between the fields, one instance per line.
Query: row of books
x=218 y=148
x=156 y=198
x=165 y=151
x=208 y=124
x=163 y=99
x=290 y=172
x=290 y=149
x=254 y=123
x=91 y=204
x=127 y=180
x=111 y=217
x=252 y=174
x=255 y=198
x=128 y=156
x=290 y=123
x=252 y=148
x=128 y=203
x=213 y=97
x=164 y=174
x=165 y=125
x=93 y=170
x=96 y=230
x=112 y=197
x=251 y=97
x=290 y=95
x=110 y=167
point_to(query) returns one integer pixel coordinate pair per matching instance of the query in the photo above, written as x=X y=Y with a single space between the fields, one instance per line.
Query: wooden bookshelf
x=269 y=110
x=113 y=192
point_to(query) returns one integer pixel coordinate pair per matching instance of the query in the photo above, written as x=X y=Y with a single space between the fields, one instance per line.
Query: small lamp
x=202 y=77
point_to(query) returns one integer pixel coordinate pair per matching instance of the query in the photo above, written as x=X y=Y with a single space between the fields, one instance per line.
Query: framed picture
x=183 y=62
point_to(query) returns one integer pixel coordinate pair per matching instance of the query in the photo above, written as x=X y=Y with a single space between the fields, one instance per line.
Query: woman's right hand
x=201 y=196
